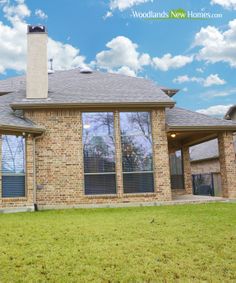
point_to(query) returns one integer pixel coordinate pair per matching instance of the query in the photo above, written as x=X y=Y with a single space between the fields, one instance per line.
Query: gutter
x=34 y=173
x=22 y=106
x=231 y=127
x=12 y=128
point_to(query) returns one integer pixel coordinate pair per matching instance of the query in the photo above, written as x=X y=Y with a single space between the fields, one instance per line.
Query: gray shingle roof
x=8 y=119
x=96 y=88
x=178 y=117
x=204 y=150
x=12 y=84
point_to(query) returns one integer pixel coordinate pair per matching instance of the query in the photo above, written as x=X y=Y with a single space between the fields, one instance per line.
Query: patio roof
x=204 y=151
x=179 y=119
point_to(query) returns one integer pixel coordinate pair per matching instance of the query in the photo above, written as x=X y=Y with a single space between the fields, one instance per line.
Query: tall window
x=176 y=170
x=13 y=166
x=99 y=153
x=136 y=140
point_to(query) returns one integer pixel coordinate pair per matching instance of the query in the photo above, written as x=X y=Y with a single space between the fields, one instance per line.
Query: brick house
x=77 y=137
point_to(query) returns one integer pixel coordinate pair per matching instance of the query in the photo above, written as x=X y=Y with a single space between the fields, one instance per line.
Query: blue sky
x=196 y=56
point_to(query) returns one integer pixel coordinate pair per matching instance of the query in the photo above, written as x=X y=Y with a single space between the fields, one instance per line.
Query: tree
x=13 y=154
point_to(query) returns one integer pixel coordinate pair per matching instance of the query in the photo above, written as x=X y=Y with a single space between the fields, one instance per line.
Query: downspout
x=34 y=173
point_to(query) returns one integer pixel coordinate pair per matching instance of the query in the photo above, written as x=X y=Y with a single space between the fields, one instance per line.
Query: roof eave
x=177 y=128
x=22 y=106
x=21 y=129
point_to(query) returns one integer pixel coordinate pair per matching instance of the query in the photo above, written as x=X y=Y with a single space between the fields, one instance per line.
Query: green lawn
x=145 y=244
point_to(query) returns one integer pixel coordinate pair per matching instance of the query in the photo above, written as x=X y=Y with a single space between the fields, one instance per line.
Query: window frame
x=152 y=150
x=100 y=173
x=182 y=171
x=3 y=174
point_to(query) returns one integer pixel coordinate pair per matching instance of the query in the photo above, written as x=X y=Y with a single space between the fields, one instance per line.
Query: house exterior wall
x=59 y=160
x=210 y=166
x=205 y=166
x=58 y=157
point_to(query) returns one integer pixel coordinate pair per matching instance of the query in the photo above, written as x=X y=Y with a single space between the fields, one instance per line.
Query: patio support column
x=187 y=170
x=161 y=165
x=29 y=169
x=227 y=164
x=119 y=174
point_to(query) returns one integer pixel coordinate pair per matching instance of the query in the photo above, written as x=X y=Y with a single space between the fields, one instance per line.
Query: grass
x=145 y=244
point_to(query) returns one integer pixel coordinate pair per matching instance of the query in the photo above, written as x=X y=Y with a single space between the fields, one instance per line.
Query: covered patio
x=186 y=129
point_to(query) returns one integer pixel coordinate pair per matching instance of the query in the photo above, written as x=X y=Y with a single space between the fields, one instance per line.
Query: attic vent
x=86 y=70
x=38 y=28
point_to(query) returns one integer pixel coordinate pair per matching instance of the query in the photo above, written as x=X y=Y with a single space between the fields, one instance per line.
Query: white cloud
x=13 y=42
x=216 y=110
x=13 y=38
x=144 y=59
x=185 y=79
x=125 y=4
x=214 y=93
x=212 y=79
x=39 y=13
x=65 y=56
x=228 y=4
x=122 y=55
x=217 y=45
x=122 y=5
x=125 y=71
x=19 y=11
x=200 y=70
x=171 y=62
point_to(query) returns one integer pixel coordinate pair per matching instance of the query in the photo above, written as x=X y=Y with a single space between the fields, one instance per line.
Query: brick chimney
x=37 y=65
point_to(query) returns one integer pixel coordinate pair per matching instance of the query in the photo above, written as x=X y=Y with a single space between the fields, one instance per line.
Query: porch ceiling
x=189 y=138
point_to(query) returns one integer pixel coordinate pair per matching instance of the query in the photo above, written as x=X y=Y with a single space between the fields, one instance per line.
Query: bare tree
x=13 y=158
